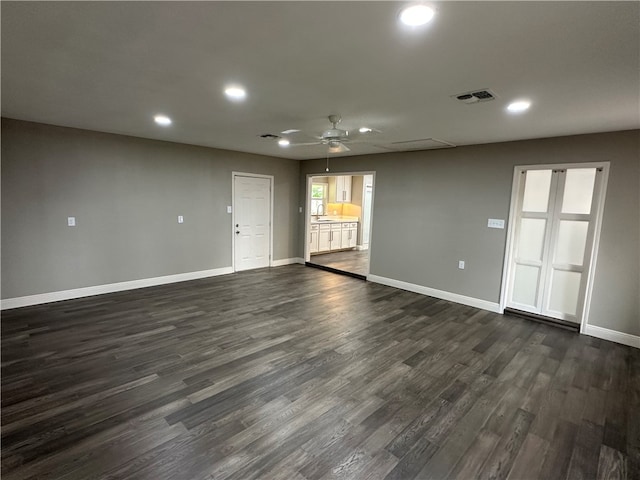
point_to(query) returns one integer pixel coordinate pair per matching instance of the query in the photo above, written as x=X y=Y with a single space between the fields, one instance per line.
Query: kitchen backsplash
x=346 y=209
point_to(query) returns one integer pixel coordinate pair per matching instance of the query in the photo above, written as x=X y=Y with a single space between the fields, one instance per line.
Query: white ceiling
x=111 y=66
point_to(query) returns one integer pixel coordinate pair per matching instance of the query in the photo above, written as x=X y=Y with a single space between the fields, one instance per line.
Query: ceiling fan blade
x=304 y=144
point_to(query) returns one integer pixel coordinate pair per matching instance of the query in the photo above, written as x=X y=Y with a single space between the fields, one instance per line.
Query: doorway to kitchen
x=338 y=222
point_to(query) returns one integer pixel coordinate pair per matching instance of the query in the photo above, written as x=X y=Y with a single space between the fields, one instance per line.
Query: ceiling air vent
x=475 y=96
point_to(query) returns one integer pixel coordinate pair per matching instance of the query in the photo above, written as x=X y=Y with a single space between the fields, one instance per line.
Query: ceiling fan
x=335 y=138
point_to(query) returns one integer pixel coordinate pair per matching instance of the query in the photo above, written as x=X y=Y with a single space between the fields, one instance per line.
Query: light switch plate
x=228 y=208
x=461 y=264
x=495 y=223
x=71 y=221
x=180 y=219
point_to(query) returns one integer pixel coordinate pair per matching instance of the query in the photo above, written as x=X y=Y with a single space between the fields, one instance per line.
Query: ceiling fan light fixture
x=283 y=142
x=417 y=15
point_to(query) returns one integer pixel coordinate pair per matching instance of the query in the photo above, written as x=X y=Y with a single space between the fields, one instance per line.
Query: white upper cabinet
x=340 y=189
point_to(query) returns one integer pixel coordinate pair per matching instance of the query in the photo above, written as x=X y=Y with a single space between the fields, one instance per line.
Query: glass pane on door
x=536 y=191
x=565 y=287
x=531 y=238
x=571 y=242
x=578 y=190
x=525 y=285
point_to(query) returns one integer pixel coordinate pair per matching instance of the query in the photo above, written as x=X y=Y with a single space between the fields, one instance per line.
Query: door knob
x=237 y=232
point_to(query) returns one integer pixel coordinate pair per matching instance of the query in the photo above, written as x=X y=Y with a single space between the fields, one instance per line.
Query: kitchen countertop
x=333 y=219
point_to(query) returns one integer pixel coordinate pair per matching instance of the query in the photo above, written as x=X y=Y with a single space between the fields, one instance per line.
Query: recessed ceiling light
x=162 y=120
x=416 y=15
x=291 y=130
x=235 y=92
x=518 y=106
x=283 y=142
x=364 y=130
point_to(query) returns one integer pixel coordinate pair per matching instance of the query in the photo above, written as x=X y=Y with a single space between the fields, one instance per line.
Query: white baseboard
x=432 y=292
x=362 y=247
x=287 y=261
x=612 y=335
x=108 y=288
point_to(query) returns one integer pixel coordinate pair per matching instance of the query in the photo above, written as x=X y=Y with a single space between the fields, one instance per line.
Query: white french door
x=557 y=213
x=251 y=221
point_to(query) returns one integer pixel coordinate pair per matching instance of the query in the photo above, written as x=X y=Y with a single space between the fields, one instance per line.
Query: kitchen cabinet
x=352 y=236
x=313 y=239
x=324 y=238
x=340 y=189
x=336 y=240
x=329 y=237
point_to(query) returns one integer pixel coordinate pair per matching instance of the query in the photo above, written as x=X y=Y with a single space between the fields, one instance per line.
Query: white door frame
x=307 y=222
x=233 y=214
x=592 y=255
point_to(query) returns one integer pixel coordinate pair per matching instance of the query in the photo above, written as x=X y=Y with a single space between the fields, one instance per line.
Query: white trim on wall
x=432 y=292
x=612 y=335
x=287 y=261
x=109 y=288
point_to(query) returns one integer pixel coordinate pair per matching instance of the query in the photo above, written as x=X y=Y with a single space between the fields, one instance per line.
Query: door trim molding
x=235 y=174
x=597 y=219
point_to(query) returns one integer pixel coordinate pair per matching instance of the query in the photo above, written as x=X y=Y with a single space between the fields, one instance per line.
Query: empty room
x=320 y=240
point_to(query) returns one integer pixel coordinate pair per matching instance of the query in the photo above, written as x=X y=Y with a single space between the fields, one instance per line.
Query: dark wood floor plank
x=499 y=463
x=470 y=463
x=530 y=458
x=310 y=376
x=559 y=453
x=612 y=464
x=586 y=451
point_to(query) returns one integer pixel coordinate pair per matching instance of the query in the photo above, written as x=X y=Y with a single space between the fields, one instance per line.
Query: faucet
x=320 y=207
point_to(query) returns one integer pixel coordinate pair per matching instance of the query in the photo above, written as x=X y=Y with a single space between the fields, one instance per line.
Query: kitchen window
x=319 y=198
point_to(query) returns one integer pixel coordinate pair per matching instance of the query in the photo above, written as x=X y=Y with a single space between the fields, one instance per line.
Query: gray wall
x=431 y=208
x=126 y=194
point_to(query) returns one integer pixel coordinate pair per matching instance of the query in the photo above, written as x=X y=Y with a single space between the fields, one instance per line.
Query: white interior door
x=553 y=244
x=251 y=222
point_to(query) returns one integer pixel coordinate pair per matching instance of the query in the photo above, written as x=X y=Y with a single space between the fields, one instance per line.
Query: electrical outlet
x=180 y=219
x=495 y=223
x=299 y=209
x=461 y=264
x=71 y=221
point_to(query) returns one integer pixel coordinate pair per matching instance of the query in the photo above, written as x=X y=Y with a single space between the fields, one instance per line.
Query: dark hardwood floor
x=354 y=261
x=295 y=373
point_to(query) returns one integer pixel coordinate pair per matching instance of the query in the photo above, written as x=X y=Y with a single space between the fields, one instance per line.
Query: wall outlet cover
x=495 y=223
x=71 y=221
x=229 y=209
